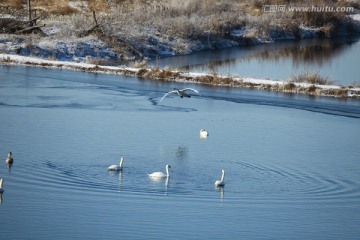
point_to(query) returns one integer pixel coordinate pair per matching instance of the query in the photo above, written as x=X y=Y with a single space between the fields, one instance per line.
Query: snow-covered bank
x=62 y=41
x=201 y=78
x=69 y=49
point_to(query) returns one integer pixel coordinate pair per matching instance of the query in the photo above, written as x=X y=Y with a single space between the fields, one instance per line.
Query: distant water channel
x=291 y=162
x=336 y=59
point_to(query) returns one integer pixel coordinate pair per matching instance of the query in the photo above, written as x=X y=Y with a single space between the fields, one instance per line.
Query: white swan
x=9 y=158
x=1 y=185
x=182 y=93
x=117 y=167
x=220 y=183
x=203 y=133
x=161 y=174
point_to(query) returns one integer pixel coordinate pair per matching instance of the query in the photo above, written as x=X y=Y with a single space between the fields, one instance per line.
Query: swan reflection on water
x=120 y=180
x=222 y=192
x=158 y=180
x=120 y=175
x=166 y=185
x=9 y=167
x=1 y=189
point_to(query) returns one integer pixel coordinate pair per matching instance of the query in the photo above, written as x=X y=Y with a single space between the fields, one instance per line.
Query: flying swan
x=220 y=183
x=9 y=160
x=161 y=174
x=182 y=93
x=117 y=167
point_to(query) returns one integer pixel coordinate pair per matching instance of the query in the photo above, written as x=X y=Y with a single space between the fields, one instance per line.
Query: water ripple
x=304 y=185
x=272 y=183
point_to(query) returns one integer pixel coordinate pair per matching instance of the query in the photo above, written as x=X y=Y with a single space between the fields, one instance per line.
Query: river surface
x=291 y=162
x=335 y=59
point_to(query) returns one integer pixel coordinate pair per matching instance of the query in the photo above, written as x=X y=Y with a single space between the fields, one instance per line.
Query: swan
x=203 y=133
x=117 y=167
x=182 y=93
x=9 y=158
x=220 y=183
x=161 y=174
x=1 y=185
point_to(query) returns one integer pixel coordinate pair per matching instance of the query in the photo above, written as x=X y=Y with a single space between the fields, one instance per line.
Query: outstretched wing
x=185 y=89
x=167 y=94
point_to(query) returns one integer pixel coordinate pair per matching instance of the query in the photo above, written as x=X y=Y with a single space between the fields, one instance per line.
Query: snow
x=9 y=58
x=6 y=16
x=25 y=60
x=80 y=5
x=355 y=17
x=67 y=49
x=261 y=81
x=308 y=32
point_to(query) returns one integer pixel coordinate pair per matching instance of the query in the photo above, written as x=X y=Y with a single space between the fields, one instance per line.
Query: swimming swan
x=9 y=158
x=1 y=185
x=220 y=183
x=161 y=174
x=182 y=93
x=117 y=167
x=203 y=133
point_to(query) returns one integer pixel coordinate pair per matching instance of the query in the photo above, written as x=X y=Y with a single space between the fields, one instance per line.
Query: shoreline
x=191 y=77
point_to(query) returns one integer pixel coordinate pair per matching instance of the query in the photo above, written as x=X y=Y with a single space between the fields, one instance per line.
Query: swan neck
x=121 y=161
x=1 y=183
x=222 y=175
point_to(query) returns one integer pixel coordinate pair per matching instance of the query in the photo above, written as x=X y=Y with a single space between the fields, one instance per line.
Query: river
x=335 y=59
x=291 y=161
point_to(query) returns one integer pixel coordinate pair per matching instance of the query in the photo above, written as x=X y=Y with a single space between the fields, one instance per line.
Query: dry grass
x=342 y=92
x=139 y=64
x=312 y=78
x=58 y=7
x=290 y=86
x=169 y=75
x=188 y=21
x=311 y=89
x=98 y=5
x=16 y=4
x=155 y=73
x=354 y=84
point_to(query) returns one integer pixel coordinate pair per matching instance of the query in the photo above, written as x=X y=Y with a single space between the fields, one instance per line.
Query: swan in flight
x=1 y=185
x=117 y=167
x=203 y=133
x=220 y=183
x=182 y=93
x=161 y=174
x=9 y=160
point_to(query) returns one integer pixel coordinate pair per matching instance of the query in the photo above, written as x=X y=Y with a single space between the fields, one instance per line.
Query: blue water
x=334 y=59
x=291 y=161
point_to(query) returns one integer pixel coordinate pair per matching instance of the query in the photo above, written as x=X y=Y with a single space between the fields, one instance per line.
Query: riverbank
x=156 y=74
x=136 y=32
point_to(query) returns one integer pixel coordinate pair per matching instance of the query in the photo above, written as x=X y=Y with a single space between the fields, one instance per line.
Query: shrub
x=290 y=86
x=311 y=89
x=142 y=72
x=17 y=4
x=312 y=78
